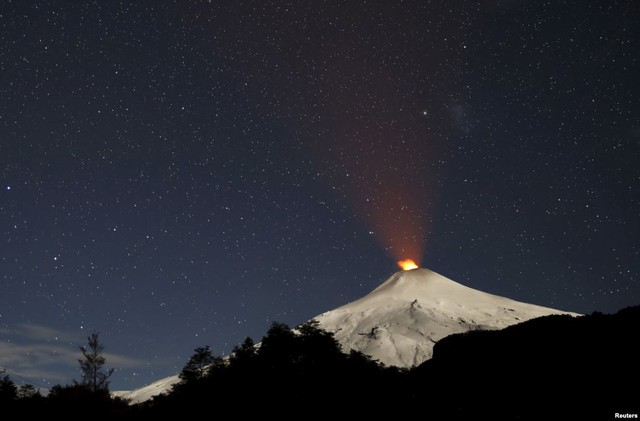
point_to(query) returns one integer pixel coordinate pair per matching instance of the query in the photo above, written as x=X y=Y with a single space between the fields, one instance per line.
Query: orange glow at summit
x=407 y=264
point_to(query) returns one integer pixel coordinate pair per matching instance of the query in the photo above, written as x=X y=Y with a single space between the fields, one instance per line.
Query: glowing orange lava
x=407 y=264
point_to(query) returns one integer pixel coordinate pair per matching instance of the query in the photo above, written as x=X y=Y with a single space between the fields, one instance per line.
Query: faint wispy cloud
x=122 y=361
x=43 y=333
x=40 y=353
x=27 y=355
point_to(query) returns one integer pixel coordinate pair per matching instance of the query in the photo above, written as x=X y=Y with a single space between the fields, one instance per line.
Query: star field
x=177 y=174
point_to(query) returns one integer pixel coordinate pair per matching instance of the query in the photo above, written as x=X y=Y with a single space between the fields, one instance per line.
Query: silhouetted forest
x=551 y=367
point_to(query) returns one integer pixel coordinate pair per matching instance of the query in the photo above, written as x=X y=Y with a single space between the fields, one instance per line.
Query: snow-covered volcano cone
x=399 y=322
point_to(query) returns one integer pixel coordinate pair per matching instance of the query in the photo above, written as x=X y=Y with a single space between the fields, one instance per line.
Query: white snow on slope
x=147 y=392
x=399 y=322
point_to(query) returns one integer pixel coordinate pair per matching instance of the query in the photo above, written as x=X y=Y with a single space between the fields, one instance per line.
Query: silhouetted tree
x=94 y=376
x=244 y=352
x=198 y=365
x=27 y=391
x=8 y=390
x=296 y=363
x=279 y=347
x=79 y=400
x=315 y=340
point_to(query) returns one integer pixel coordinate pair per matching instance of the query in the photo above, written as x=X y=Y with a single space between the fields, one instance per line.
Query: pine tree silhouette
x=94 y=376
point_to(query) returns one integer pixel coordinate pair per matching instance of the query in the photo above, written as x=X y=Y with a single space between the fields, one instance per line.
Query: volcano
x=399 y=322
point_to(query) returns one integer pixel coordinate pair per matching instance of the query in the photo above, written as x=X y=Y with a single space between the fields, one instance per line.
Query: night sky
x=183 y=173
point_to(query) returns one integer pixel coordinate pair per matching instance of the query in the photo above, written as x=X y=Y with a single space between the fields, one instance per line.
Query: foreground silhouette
x=548 y=368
